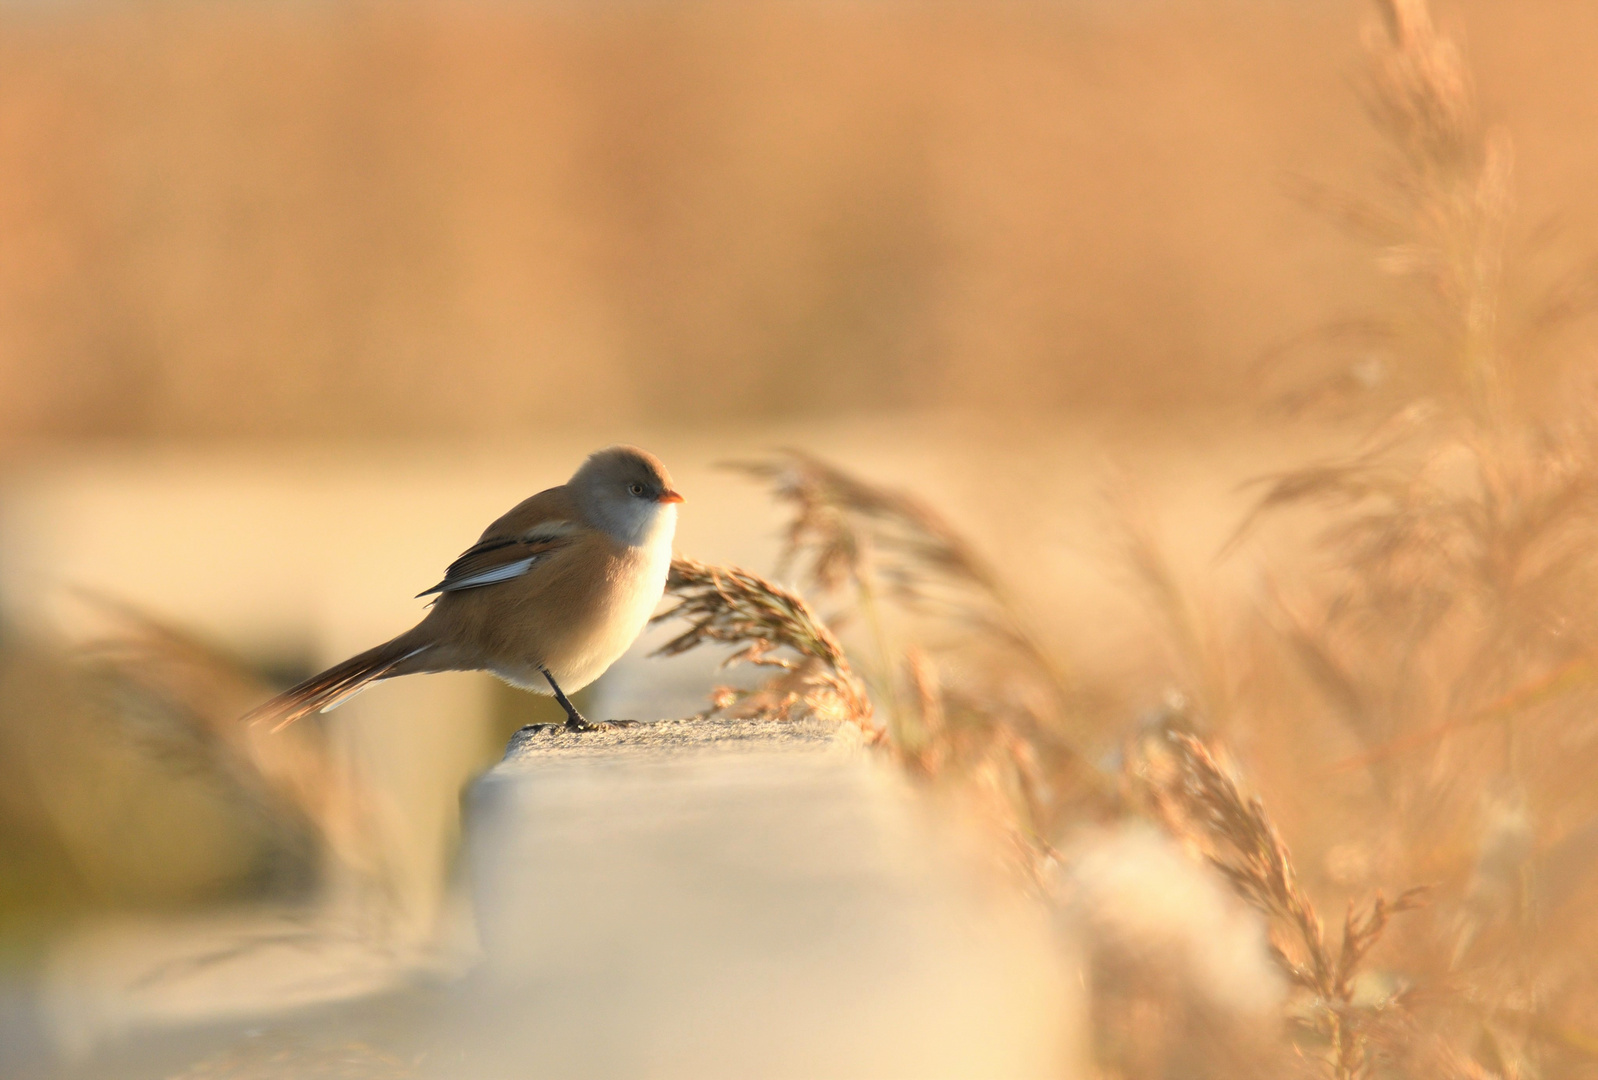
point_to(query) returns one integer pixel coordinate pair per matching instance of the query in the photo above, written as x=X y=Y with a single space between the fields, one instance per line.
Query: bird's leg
x=576 y=721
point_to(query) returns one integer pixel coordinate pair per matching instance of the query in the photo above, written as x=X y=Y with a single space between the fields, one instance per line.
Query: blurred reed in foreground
x=183 y=699
x=1418 y=704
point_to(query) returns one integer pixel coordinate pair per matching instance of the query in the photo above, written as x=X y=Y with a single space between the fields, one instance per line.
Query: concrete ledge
x=726 y=899
x=669 y=738
x=700 y=900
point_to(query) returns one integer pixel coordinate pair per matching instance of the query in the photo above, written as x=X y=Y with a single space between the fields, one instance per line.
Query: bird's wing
x=514 y=544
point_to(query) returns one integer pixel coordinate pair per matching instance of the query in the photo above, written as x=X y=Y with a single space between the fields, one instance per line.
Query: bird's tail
x=338 y=683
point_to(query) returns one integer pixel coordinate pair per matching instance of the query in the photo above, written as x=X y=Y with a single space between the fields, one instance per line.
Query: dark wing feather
x=501 y=558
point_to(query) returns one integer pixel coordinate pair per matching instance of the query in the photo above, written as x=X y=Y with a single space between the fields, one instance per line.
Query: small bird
x=549 y=597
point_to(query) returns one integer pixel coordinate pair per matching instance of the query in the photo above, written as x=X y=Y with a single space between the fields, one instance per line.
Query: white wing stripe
x=498 y=573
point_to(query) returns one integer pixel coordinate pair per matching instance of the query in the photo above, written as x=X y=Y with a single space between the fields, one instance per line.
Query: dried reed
x=975 y=697
x=1440 y=233
x=1444 y=622
x=889 y=546
x=874 y=548
x=1199 y=801
x=728 y=606
x=182 y=698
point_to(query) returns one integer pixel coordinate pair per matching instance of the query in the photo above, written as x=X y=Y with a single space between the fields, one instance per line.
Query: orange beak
x=671 y=497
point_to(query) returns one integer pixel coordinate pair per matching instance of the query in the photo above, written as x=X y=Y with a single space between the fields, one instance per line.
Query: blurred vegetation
x=357 y=219
x=1416 y=700
x=270 y=221
x=91 y=800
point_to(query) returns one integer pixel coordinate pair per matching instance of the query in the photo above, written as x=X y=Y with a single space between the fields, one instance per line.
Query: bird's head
x=626 y=492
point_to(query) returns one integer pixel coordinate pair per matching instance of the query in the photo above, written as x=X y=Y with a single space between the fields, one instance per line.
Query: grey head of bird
x=627 y=493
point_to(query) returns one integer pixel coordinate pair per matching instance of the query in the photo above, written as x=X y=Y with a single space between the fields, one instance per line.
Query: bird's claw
x=579 y=724
x=576 y=725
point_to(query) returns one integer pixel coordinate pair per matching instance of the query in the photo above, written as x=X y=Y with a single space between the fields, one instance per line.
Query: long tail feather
x=335 y=685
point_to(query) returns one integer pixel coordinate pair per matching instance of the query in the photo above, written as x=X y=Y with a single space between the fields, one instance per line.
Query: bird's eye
x=636 y=489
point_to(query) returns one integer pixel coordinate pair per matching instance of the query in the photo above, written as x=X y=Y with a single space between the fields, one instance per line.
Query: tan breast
x=574 y=613
x=627 y=599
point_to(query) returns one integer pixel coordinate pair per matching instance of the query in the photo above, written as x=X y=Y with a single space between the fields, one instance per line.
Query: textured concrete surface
x=680 y=899
x=531 y=749
x=714 y=899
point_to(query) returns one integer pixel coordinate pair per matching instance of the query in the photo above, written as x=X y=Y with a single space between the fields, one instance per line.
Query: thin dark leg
x=574 y=719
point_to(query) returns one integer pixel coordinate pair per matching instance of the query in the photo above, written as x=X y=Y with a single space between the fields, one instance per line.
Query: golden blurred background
x=295 y=297
x=347 y=221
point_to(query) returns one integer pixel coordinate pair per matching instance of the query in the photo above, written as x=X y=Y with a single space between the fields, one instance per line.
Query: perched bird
x=547 y=599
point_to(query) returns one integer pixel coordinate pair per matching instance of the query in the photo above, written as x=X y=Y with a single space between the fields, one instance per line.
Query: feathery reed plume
x=1012 y=777
x=891 y=546
x=729 y=606
x=922 y=738
x=1454 y=184
x=876 y=547
x=1444 y=620
x=1201 y=803
x=1439 y=233
x=185 y=697
x=974 y=699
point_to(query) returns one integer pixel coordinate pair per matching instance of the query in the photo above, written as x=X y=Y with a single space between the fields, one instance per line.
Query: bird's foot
x=581 y=723
x=576 y=725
